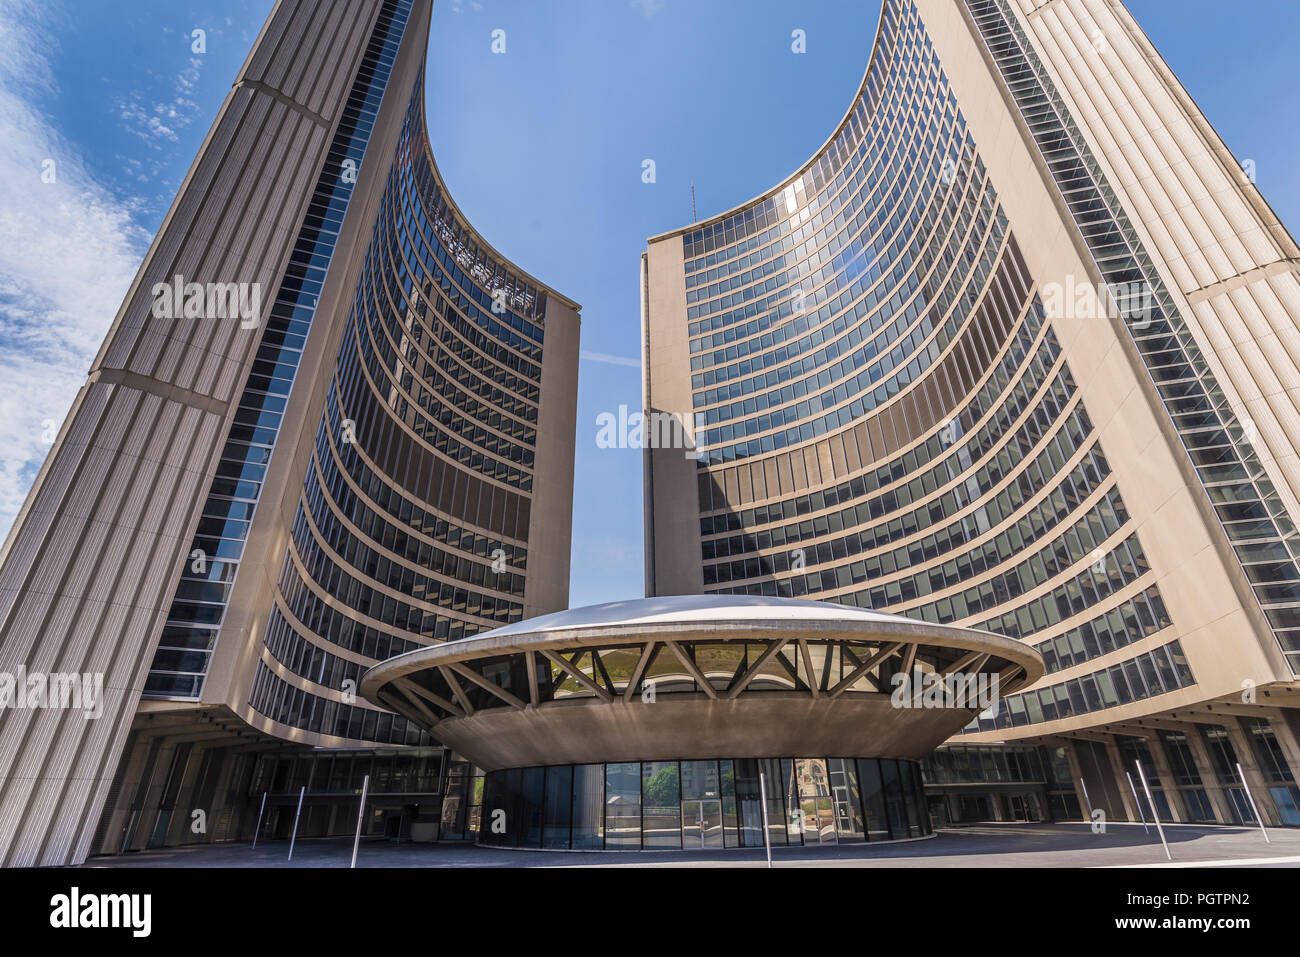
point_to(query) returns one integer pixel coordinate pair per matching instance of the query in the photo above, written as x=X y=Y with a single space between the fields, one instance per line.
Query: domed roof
x=565 y=688
x=695 y=618
x=693 y=610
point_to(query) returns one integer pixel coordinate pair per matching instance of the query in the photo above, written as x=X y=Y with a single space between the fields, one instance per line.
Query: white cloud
x=609 y=360
x=69 y=252
x=648 y=7
x=162 y=120
x=148 y=123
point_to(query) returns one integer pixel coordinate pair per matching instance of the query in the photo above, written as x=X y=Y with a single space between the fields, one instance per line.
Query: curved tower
x=440 y=463
x=245 y=511
x=1011 y=351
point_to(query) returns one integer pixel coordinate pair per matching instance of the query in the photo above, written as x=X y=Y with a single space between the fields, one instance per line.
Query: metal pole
x=361 y=815
x=294 y=837
x=1250 y=797
x=1138 y=801
x=258 y=830
x=767 y=838
x=1155 y=815
x=129 y=832
x=1086 y=800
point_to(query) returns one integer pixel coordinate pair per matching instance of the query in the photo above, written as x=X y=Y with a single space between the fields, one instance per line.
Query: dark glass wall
x=185 y=650
x=884 y=414
x=413 y=523
x=701 y=805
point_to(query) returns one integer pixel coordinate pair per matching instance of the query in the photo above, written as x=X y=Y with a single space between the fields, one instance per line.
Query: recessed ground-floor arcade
x=694 y=724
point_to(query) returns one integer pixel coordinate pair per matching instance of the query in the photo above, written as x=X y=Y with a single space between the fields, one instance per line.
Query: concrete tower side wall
x=1216 y=618
x=91 y=563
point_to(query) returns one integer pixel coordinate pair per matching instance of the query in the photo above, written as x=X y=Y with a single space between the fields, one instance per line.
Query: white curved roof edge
x=707 y=612
x=686 y=609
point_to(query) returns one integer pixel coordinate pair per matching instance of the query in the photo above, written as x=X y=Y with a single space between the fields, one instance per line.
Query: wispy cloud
x=69 y=254
x=148 y=122
x=155 y=118
x=647 y=7
x=609 y=360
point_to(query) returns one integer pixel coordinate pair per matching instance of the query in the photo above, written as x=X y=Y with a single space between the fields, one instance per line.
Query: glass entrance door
x=816 y=805
x=818 y=820
x=1016 y=808
x=701 y=824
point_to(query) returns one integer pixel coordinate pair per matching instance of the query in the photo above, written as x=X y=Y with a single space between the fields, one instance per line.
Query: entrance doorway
x=701 y=824
x=816 y=804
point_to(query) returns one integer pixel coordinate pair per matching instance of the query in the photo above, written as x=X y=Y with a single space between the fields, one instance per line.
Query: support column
x=1076 y=773
x=238 y=796
x=1209 y=778
x=128 y=774
x=136 y=788
x=153 y=796
x=1121 y=772
x=179 y=831
x=1168 y=780
x=1286 y=739
x=999 y=813
x=1245 y=750
x=223 y=816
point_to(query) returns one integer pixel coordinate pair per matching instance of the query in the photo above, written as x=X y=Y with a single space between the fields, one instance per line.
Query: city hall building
x=988 y=500
x=235 y=523
x=1016 y=350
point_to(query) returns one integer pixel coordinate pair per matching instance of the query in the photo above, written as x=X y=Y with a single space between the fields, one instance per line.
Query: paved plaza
x=994 y=845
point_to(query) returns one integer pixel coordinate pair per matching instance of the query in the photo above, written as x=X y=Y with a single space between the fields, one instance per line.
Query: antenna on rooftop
x=694 y=218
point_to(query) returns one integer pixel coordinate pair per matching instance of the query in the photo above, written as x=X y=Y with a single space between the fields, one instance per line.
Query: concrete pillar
x=1121 y=772
x=1205 y=768
x=180 y=831
x=223 y=817
x=1286 y=739
x=1076 y=774
x=135 y=795
x=153 y=796
x=999 y=809
x=246 y=805
x=133 y=768
x=1245 y=750
x=1169 y=781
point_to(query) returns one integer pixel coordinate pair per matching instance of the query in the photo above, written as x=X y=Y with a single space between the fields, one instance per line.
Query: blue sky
x=542 y=148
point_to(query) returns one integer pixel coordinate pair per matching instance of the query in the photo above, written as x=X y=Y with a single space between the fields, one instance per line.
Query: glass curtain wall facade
x=1016 y=783
x=704 y=805
x=196 y=615
x=883 y=412
x=903 y=399
x=413 y=524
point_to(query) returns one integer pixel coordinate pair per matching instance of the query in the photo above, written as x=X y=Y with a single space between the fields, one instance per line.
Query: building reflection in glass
x=694 y=805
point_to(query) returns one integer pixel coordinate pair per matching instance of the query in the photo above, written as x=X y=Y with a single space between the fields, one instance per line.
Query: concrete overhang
x=512 y=713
